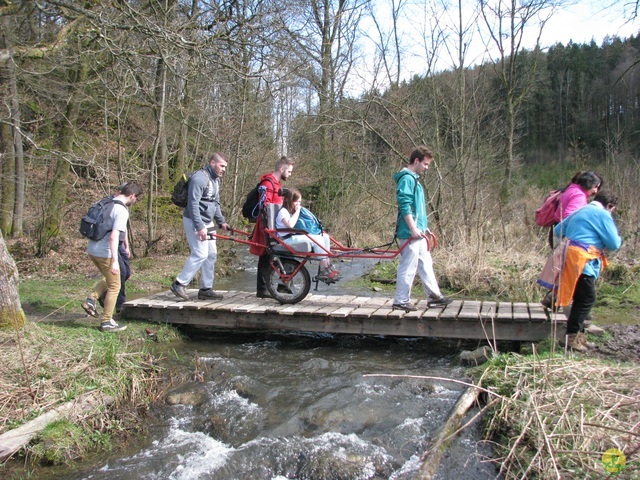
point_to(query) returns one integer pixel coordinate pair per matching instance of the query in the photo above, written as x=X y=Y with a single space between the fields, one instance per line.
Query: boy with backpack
x=104 y=253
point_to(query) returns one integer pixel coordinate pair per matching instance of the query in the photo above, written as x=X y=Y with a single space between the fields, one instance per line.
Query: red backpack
x=545 y=215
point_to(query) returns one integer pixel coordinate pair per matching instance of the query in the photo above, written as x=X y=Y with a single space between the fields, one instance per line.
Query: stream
x=304 y=406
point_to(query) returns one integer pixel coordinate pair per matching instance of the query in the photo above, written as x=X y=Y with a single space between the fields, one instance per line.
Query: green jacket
x=410 y=196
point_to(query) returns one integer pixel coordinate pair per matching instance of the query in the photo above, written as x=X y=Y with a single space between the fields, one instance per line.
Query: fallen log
x=431 y=458
x=13 y=440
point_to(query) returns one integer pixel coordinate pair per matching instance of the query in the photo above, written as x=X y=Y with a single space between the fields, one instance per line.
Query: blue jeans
x=203 y=257
x=415 y=258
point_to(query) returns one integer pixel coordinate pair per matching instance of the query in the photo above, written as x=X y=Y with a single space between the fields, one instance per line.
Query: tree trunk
x=11 y=313
x=12 y=198
x=58 y=195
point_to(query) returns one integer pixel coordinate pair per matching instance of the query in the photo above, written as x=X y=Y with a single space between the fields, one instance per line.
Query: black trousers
x=264 y=269
x=583 y=300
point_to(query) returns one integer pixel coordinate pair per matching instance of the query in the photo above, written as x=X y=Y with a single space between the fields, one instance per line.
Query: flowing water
x=274 y=406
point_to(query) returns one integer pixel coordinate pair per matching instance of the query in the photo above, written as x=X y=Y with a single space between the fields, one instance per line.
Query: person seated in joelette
x=288 y=217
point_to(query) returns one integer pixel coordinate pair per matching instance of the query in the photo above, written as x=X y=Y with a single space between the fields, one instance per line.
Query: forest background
x=95 y=93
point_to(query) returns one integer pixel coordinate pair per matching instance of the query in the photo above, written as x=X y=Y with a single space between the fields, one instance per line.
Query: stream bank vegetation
x=555 y=415
x=43 y=365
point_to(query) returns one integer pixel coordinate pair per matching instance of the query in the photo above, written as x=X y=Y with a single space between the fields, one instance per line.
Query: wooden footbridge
x=349 y=314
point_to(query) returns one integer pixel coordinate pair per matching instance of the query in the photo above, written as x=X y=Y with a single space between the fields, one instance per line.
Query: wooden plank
x=368 y=306
x=363 y=312
x=379 y=301
x=422 y=307
x=360 y=302
x=450 y=311
x=432 y=313
x=537 y=313
x=489 y=309
x=325 y=310
x=504 y=311
x=395 y=314
x=342 y=312
x=520 y=312
x=470 y=310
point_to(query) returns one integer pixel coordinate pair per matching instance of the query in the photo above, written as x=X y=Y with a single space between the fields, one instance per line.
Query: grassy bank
x=47 y=364
x=555 y=416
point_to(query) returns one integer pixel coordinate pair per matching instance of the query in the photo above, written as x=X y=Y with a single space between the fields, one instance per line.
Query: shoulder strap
x=415 y=185
x=273 y=184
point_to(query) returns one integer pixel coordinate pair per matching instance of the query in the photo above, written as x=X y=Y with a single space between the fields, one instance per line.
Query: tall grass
x=556 y=416
x=45 y=365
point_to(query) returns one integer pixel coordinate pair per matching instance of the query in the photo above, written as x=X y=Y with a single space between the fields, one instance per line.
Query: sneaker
x=208 y=294
x=439 y=302
x=89 y=306
x=112 y=326
x=179 y=290
x=407 y=307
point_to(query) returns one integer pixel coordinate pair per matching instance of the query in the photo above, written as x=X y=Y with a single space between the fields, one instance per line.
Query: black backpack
x=254 y=202
x=180 y=193
x=96 y=223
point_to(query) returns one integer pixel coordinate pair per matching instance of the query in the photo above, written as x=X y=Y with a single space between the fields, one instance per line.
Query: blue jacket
x=410 y=196
x=591 y=225
x=203 y=201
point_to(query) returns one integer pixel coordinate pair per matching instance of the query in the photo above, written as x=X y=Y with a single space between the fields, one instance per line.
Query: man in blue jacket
x=413 y=223
x=589 y=230
x=202 y=212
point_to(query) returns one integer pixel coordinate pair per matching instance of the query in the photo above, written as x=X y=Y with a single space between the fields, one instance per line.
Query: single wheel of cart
x=289 y=281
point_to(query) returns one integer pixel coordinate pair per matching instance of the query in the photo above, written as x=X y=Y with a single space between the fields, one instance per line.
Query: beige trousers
x=110 y=284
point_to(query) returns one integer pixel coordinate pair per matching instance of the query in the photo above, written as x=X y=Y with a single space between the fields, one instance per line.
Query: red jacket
x=272 y=196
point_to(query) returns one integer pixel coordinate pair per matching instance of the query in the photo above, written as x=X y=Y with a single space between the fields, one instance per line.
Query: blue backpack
x=308 y=222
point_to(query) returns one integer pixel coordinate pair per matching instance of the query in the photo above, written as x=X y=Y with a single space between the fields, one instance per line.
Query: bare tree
x=507 y=22
x=12 y=197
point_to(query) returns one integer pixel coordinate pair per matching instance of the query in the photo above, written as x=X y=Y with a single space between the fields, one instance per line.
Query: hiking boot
x=572 y=342
x=439 y=302
x=112 y=326
x=208 y=294
x=593 y=329
x=89 y=306
x=582 y=338
x=263 y=294
x=179 y=290
x=407 y=307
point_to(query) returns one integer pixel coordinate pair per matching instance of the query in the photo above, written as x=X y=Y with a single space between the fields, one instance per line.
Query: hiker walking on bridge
x=412 y=223
x=273 y=194
x=105 y=256
x=201 y=213
x=587 y=233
